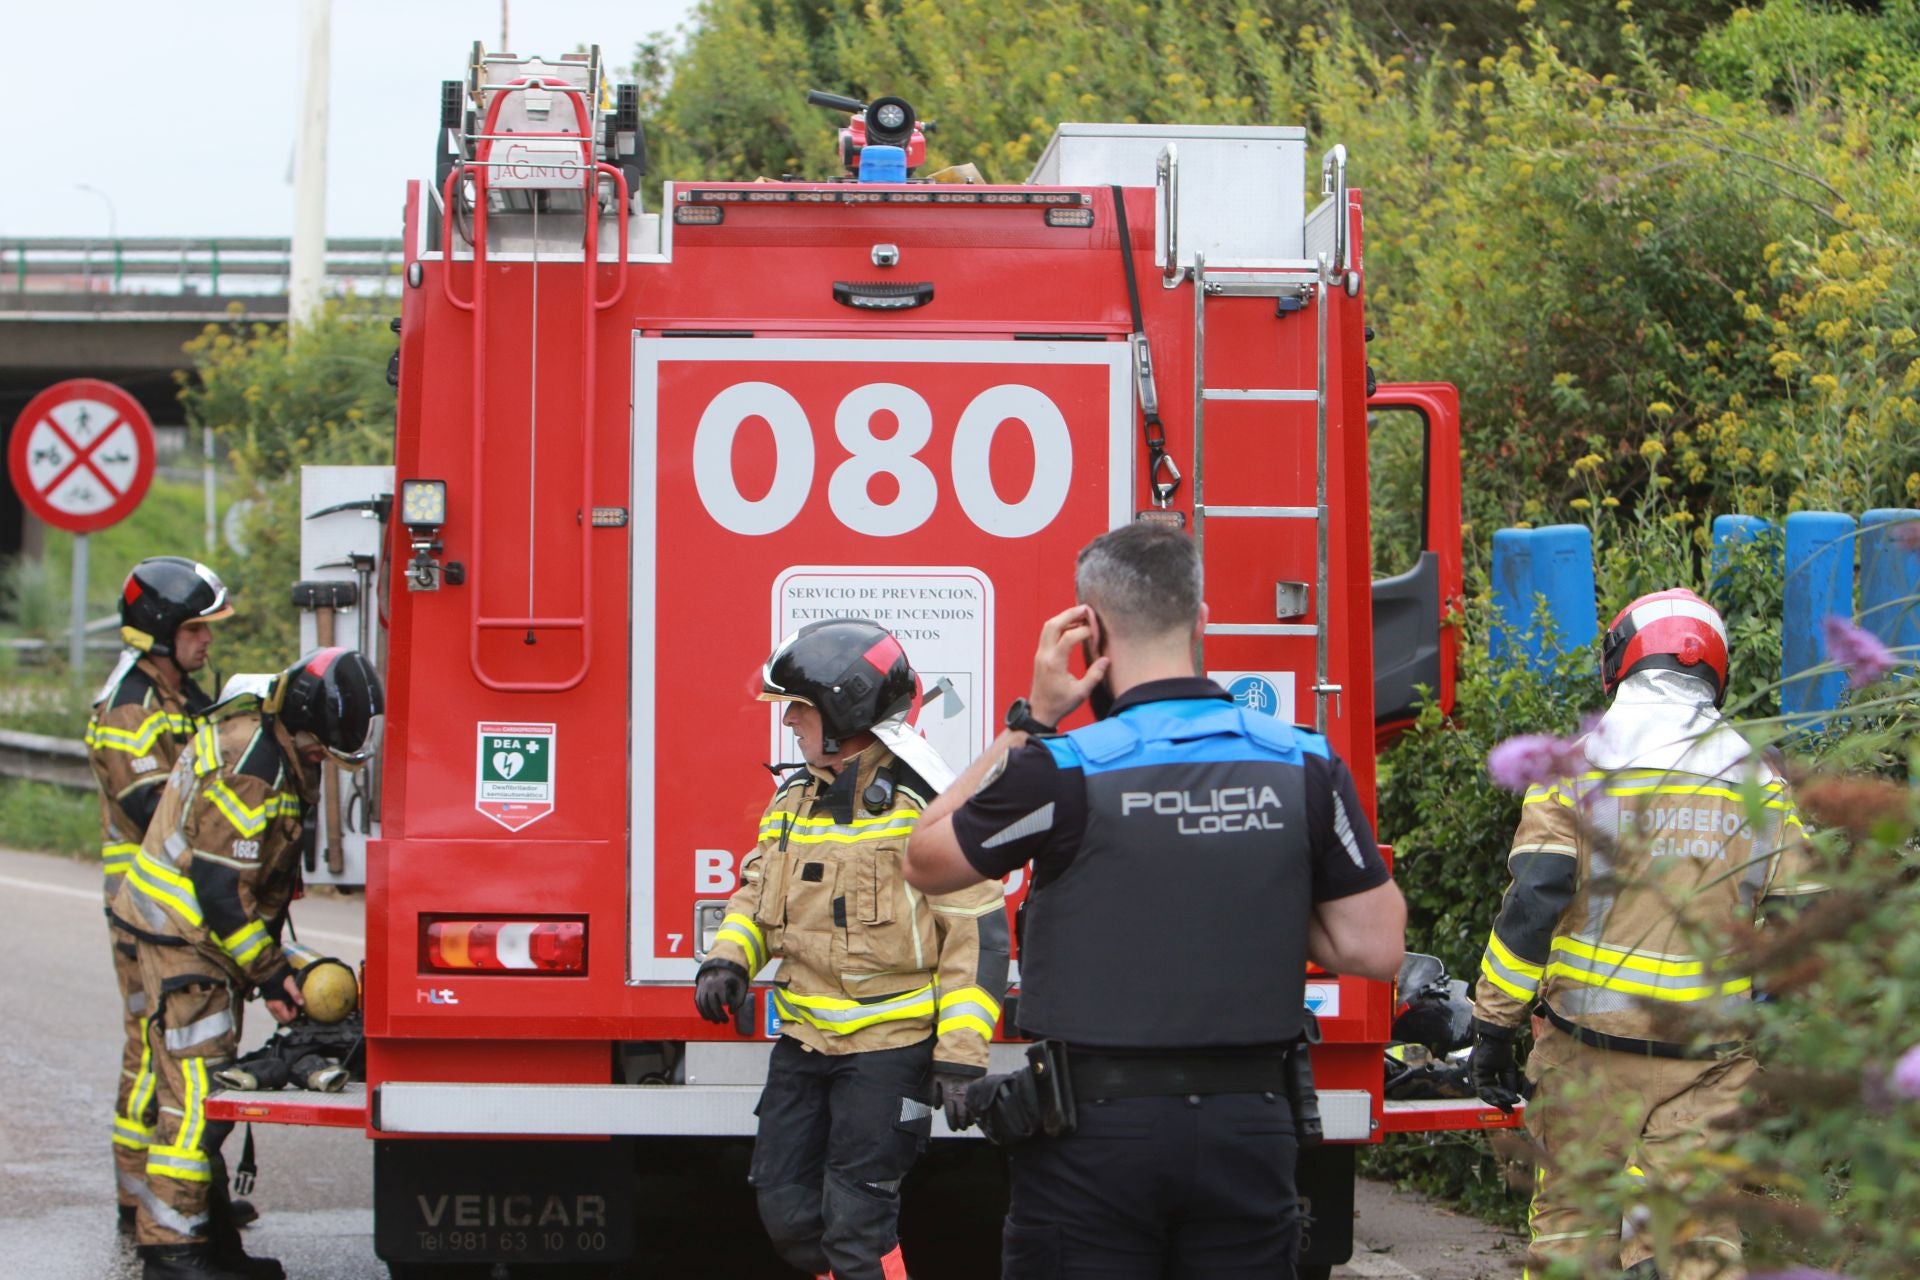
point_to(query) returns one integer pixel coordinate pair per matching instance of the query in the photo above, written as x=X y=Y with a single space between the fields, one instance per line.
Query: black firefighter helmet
x=851 y=670
x=161 y=594
x=335 y=695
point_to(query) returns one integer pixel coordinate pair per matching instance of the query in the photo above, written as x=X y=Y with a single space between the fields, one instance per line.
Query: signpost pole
x=77 y=622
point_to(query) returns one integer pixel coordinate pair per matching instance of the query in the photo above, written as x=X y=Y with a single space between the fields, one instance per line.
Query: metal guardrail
x=49 y=263
x=35 y=756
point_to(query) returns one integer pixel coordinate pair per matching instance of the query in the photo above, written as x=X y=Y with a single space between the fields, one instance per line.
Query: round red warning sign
x=81 y=455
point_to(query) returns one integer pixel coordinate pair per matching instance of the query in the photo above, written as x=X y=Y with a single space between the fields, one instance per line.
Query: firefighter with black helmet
x=1628 y=877
x=142 y=718
x=887 y=999
x=205 y=899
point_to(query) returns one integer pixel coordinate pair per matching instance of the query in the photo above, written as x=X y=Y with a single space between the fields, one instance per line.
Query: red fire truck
x=636 y=447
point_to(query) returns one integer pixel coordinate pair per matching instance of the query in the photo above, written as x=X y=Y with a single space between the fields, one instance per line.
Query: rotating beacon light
x=423 y=510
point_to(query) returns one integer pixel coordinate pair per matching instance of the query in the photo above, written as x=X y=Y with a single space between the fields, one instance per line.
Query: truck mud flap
x=1324 y=1177
x=529 y=1202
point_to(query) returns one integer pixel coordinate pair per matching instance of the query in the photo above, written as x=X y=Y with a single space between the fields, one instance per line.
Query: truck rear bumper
x=688 y=1110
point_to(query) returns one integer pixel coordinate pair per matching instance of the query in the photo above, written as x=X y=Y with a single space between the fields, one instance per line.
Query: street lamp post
x=113 y=231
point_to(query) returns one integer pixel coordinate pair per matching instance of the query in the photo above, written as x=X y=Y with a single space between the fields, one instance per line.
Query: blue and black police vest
x=1181 y=921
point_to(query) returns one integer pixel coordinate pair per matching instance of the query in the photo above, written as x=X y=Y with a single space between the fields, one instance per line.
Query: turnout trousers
x=194 y=1031
x=133 y=1098
x=838 y=1133
x=1609 y=1109
x=1158 y=1188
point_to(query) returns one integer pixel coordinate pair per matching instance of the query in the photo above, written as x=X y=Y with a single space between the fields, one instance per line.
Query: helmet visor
x=352 y=757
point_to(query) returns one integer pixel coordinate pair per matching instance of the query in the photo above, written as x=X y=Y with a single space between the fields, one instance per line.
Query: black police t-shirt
x=1032 y=810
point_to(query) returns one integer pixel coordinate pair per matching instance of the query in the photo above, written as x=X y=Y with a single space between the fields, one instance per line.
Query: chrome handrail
x=1166 y=187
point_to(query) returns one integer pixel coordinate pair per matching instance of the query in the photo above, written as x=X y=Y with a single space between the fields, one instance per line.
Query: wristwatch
x=1020 y=716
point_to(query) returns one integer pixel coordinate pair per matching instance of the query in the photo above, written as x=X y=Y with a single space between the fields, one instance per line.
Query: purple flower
x=1905 y=1079
x=1856 y=651
x=1530 y=759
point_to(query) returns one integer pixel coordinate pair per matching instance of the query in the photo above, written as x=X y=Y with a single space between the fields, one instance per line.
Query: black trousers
x=1158 y=1189
x=837 y=1136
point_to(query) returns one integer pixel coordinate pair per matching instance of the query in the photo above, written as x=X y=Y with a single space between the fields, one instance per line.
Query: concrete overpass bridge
x=123 y=310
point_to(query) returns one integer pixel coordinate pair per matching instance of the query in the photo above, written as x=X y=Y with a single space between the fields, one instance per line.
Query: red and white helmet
x=1672 y=630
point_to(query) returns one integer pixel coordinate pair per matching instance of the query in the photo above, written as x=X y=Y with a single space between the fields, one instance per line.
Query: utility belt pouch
x=1301 y=1094
x=1047 y=1061
x=1019 y=1106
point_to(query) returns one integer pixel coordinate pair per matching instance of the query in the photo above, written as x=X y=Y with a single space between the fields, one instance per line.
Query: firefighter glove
x=950 y=1091
x=1495 y=1073
x=719 y=989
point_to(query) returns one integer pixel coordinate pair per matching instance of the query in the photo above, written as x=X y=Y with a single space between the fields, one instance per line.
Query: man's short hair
x=1142 y=579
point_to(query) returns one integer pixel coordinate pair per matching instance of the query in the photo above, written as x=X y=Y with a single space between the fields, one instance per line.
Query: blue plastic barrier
x=1555 y=562
x=1730 y=533
x=1819 y=582
x=1890 y=578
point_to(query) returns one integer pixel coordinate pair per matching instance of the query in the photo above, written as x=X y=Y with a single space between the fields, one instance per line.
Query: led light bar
x=506 y=946
x=932 y=194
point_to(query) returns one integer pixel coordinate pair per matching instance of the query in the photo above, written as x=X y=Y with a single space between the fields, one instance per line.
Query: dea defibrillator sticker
x=513 y=783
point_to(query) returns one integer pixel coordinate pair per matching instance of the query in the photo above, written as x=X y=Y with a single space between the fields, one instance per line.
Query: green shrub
x=38 y=815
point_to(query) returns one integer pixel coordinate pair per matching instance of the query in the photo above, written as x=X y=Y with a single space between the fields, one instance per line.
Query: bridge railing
x=223 y=266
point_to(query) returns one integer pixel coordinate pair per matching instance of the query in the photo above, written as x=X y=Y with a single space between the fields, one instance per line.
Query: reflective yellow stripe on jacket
x=165 y=886
x=140 y=739
x=968 y=1009
x=1507 y=971
x=840 y=1016
x=117 y=856
x=1649 y=975
x=244 y=943
x=249 y=820
x=742 y=932
x=898 y=824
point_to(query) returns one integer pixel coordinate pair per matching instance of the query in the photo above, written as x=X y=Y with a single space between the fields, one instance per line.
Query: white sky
x=182 y=111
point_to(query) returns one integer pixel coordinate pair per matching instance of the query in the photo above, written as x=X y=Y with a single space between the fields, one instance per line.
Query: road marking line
x=93 y=895
x=1378 y=1266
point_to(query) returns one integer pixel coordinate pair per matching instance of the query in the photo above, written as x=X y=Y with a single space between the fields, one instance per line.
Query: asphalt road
x=59 y=1055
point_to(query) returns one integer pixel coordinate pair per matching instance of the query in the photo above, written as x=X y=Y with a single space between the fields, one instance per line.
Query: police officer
x=142 y=717
x=1189 y=857
x=887 y=999
x=1621 y=876
x=205 y=900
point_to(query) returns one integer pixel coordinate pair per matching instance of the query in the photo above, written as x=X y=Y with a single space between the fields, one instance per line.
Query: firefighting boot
x=189 y=1262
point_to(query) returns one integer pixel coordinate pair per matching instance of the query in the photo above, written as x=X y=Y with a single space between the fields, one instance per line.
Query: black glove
x=1491 y=1065
x=719 y=988
x=950 y=1091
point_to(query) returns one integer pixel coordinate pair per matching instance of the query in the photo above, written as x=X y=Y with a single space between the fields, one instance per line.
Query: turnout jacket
x=1628 y=878
x=866 y=961
x=221 y=860
x=141 y=720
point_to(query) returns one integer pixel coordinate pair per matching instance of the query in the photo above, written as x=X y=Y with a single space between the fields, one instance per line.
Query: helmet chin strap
x=829 y=745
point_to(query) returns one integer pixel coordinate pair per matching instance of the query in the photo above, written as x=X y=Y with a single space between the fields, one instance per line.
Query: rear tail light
x=506 y=946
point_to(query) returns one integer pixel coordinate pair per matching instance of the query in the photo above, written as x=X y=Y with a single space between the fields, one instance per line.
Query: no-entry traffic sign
x=81 y=455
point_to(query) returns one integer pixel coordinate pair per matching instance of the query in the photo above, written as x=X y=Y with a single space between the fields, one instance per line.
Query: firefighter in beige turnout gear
x=1626 y=881
x=887 y=998
x=205 y=899
x=142 y=718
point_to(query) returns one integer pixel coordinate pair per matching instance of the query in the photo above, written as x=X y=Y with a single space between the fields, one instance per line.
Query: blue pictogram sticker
x=1256 y=693
x=773 y=1014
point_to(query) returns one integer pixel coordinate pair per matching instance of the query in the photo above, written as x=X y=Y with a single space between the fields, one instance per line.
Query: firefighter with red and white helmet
x=887 y=999
x=1627 y=880
x=205 y=900
x=142 y=718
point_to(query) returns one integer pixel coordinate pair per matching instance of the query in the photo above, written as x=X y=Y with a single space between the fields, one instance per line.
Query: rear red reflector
x=506 y=946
